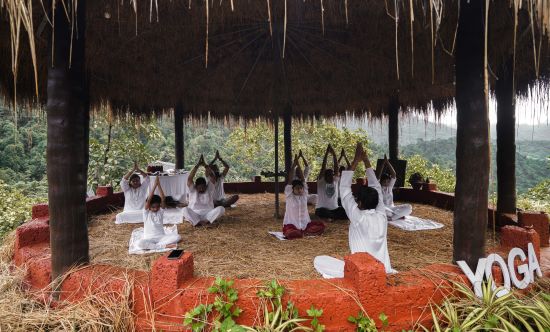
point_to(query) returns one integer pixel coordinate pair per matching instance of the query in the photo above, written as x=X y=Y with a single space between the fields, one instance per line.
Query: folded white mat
x=278 y=235
x=411 y=223
x=329 y=267
x=137 y=235
x=171 y=216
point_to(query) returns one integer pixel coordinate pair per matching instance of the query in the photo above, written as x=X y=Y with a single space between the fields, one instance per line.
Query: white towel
x=278 y=235
x=137 y=235
x=411 y=223
x=329 y=267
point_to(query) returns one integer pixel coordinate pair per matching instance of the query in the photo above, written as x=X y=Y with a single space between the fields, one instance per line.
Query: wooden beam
x=179 y=139
x=393 y=129
x=287 y=120
x=506 y=139
x=472 y=148
x=68 y=119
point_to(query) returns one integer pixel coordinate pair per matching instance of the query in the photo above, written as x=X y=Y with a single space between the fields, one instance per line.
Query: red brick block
x=366 y=274
x=104 y=191
x=167 y=274
x=32 y=232
x=40 y=210
x=540 y=223
x=518 y=237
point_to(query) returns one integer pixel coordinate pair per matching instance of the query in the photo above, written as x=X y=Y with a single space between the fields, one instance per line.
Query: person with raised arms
x=217 y=180
x=327 y=190
x=311 y=198
x=154 y=235
x=201 y=210
x=297 y=222
x=369 y=226
x=387 y=181
x=135 y=194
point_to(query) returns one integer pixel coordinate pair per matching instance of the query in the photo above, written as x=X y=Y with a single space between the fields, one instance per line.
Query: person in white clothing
x=217 y=180
x=311 y=198
x=387 y=181
x=341 y=168
x=201 y=210
x=327 y=190
x=369 y=226
x=135 y=194
x=154 y=236
x=297 y=222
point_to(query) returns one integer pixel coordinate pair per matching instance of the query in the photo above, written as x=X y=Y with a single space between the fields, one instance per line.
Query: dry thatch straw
x=338 y=57
x=240 y=247
x=22 y=311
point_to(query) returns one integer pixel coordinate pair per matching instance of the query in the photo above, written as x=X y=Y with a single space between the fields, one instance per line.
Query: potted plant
x=416 y=180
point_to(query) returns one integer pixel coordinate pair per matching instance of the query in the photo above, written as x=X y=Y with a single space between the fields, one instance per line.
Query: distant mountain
x=415 y=128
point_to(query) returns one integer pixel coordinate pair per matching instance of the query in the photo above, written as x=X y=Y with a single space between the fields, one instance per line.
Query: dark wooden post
x=178 y=133
x=393 y=129
x=287 y=120
x=472 y=148
x=68 y=120
x=506 y=139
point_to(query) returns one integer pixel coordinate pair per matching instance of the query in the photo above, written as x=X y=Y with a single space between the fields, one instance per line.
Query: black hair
x=155 y=200
x=329 y=171
x=133 y=176
x=368 y=197
x=297 y=183
x=200 y=181
x=385 y=176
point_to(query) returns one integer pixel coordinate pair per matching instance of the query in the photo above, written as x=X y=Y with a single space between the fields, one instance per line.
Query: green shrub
x=15 y=208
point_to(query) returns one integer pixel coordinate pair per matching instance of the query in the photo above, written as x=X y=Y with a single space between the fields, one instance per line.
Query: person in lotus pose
x=217 y=180
x=327 y=190
x=135 y=194
x=154 y=236
x=369 y=226
x=201 y=210
x=387 y=181
x=297 y=222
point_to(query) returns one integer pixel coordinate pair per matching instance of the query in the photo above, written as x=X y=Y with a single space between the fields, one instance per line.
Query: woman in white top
x=327 y=190
x=135 y=194
x=154 y=236
x=342 y=167
x=217 y=180
x=297 y=222
x=387 y=181
x=201 y=210
x=369 y=226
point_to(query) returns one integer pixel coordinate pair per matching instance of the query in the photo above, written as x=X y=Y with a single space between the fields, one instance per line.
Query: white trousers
x=195 y=217
x=398 y=211
x=158 y=242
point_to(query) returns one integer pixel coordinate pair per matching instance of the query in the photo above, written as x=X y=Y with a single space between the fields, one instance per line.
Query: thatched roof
x=348 y=59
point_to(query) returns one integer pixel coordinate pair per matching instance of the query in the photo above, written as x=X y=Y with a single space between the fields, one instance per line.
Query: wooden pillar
x=178 y=133
x=287 y=120
x=393 y=129
x=506 y=139
x=472 y=148
x=276 y=179
x=67 y=156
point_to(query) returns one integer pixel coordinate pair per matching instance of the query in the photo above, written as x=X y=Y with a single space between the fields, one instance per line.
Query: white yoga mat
x=411 y=223
x=329 y=267
x=172 y=216
x=278 y=235
x=137 y=235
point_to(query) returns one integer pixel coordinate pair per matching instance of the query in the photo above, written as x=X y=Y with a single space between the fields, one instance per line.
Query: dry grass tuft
x=240 y=247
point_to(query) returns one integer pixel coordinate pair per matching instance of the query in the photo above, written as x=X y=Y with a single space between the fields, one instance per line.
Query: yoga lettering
x=485 y=267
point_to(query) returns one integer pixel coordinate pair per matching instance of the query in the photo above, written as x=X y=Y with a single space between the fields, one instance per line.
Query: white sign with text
x=510 y=276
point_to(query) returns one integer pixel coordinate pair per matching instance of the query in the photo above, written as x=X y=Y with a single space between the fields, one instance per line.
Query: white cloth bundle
x=411 y=223
x=137 y=236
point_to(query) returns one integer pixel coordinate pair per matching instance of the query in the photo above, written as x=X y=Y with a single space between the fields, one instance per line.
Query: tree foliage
x=15 y=208
x=443 y=177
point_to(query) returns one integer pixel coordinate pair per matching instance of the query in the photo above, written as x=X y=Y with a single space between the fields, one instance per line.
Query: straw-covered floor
x=240 y=247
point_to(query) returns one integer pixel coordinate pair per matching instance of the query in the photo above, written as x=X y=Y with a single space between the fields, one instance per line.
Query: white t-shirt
x=219 y=193
x=152 y=223
x=387 y=193
x=296 y=212
x=134 y=199
x=327 y=194
x=368 y=228
x=201 y=201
